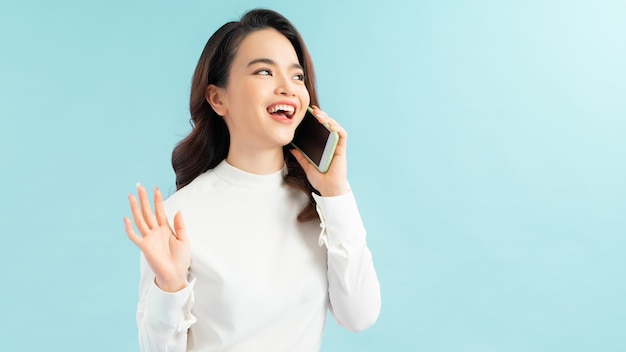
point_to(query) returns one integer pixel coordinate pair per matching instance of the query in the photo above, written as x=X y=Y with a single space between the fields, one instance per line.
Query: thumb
x=302 y=160
x=179 y=227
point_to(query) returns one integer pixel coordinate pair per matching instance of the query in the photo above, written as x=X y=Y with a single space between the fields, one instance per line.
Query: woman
x=247 y=269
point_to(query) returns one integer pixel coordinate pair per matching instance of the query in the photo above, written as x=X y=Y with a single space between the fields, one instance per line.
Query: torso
x=260 y=274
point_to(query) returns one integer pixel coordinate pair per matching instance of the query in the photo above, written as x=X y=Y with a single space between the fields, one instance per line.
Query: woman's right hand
x=167 y=251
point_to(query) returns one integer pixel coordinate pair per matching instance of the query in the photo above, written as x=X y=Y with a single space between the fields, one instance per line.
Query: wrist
x=335 y=190
x=170 y=286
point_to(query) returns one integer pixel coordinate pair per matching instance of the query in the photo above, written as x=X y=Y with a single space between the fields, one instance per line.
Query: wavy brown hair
x=207 y=144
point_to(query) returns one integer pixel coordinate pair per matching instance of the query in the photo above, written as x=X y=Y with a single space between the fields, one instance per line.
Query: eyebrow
x=272 y=63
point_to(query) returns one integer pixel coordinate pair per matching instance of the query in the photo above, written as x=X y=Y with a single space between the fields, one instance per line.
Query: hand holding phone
x=316 y=141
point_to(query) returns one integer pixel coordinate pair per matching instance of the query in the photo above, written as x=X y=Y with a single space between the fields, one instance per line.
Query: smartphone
x=316 y=141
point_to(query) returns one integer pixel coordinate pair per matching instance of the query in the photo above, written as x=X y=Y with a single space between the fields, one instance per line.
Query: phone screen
x=311 y=137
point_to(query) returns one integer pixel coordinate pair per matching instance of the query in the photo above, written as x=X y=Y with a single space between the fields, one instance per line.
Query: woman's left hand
x=335 y=181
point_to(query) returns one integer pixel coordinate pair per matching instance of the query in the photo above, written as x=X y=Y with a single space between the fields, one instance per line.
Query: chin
x=284 y=139
x=285 y=142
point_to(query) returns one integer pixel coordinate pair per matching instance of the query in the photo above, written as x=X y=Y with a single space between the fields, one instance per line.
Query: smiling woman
x=248 y=269
x=265 y=78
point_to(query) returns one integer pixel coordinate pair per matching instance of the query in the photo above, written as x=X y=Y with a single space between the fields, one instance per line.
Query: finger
x=343 y=135
x=335 y=126
x=302 y=160
x=146 y=211
x=161 y=215
x=128 y=226
x=139 y=221
x=321 y=116
x=179 y=227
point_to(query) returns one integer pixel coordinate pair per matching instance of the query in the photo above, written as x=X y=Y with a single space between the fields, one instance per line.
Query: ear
x=214 y=96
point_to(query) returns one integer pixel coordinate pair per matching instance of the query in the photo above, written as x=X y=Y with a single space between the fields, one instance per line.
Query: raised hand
x=334 y=182
x=167 y=251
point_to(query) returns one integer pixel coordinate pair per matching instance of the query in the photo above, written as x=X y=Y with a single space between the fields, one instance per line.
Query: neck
x=256 y=161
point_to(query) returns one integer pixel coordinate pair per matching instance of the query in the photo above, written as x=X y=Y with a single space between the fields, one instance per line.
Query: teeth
x=286 y=108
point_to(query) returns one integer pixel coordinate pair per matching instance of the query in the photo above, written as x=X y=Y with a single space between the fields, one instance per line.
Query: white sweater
x=259 y=280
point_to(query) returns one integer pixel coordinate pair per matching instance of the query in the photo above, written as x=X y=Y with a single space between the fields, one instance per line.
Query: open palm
x=167 y=251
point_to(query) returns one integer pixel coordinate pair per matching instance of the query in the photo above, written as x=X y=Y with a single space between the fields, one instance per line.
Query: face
x=265 y=98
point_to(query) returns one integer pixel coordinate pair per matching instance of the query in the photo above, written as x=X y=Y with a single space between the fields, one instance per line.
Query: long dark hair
x=207 y=144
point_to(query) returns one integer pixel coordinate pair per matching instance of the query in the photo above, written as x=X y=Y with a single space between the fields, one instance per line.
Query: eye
x=263 y=72
x=299 y=77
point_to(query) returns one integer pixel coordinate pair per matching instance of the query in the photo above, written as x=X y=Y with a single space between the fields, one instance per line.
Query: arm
x=163 y=318
x=353 y=286
x=165 y=297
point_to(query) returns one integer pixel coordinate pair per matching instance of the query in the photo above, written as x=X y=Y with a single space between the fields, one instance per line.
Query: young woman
x=248 y=269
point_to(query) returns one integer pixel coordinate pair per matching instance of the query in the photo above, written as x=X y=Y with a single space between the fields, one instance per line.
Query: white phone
x=316 y=141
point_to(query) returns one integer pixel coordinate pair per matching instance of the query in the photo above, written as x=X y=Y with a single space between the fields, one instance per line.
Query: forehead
x=266 y=43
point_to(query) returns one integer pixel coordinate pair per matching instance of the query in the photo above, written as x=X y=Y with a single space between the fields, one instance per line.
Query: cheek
x=305 y=97
x=241 y=99
x=246 y=91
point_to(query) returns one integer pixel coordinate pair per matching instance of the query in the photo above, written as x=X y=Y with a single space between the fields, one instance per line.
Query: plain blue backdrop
x=487 y=152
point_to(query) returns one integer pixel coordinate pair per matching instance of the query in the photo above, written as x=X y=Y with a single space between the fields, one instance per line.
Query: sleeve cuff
x=170 y=308
x=339 y=219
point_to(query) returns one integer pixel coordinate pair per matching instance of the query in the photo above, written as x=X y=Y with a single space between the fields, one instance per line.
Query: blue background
x=487 y=153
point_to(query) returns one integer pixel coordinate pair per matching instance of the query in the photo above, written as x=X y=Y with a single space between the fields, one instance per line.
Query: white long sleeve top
x=260 y=280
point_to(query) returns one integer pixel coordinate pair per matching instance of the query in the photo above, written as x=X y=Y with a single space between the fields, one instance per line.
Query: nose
x=285 y=86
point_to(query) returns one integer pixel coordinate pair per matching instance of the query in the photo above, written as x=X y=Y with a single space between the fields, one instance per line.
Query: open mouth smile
x=282 y=110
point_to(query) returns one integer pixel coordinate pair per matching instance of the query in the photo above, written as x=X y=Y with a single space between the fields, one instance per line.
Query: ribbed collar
x=240 y=178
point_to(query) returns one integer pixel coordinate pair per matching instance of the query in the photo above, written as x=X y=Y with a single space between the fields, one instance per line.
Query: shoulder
x=201 y=187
